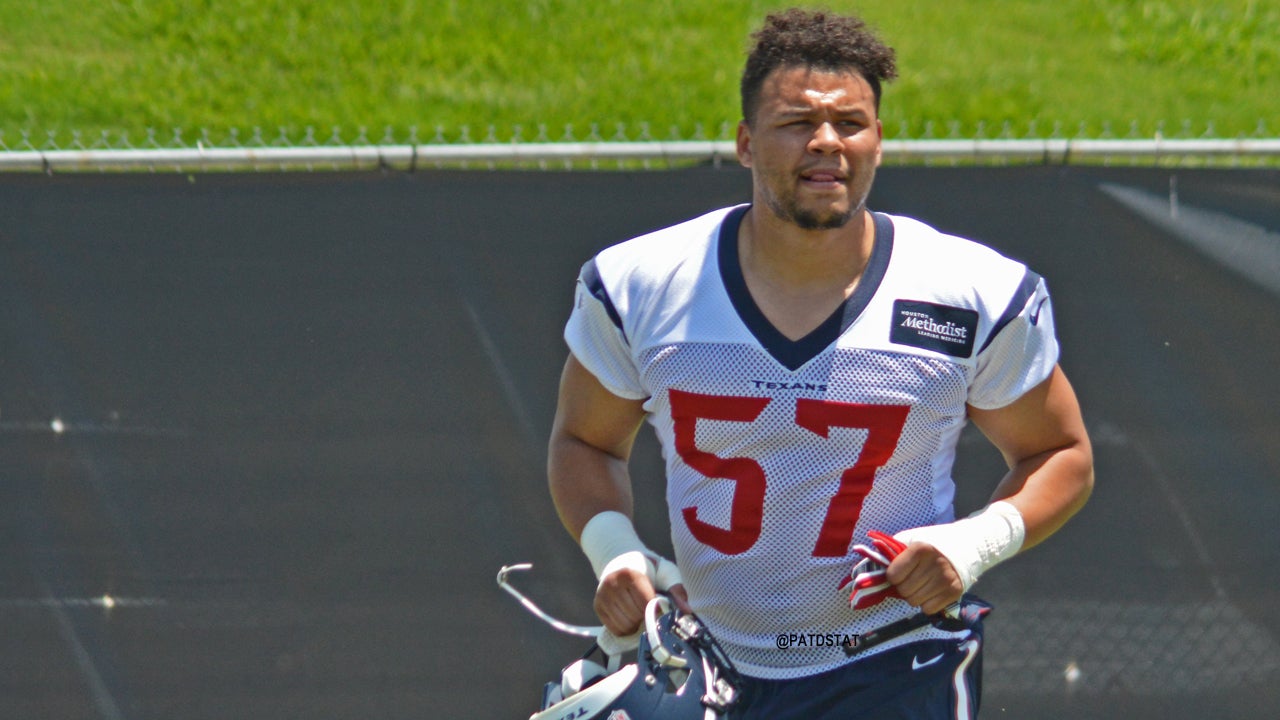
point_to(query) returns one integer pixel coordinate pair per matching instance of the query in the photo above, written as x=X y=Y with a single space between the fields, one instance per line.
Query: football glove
x=868 y=582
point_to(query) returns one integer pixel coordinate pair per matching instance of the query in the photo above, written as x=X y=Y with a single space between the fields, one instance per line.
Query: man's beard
x=789 y=209
x=808 y=219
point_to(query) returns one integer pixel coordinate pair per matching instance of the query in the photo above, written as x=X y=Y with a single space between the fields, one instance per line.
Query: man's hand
x=925 y=578
x=917 y=573
x=622 y=597
x=931 y=567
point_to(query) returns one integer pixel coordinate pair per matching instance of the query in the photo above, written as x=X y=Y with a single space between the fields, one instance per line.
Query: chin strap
x=564 y=627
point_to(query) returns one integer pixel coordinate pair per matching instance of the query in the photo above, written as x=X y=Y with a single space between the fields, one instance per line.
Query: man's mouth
x=823 y=177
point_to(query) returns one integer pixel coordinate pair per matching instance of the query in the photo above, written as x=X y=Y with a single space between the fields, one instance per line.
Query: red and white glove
x=868 y=583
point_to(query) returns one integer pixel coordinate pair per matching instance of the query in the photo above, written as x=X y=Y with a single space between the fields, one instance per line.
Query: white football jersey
x=780 y=454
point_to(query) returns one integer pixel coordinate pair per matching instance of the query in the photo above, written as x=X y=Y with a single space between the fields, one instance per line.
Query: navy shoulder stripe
x=1025 y=290
x=594 y=285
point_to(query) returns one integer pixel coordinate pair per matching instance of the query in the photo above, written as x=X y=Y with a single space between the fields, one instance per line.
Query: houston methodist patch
x=940 y=328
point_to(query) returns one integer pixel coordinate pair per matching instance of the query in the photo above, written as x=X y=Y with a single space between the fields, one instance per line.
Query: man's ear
x=879 y=145
x=744 y=144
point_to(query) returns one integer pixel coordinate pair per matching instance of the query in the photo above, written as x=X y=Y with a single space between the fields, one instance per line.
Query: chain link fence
x=1179 y=647
x=598 y=147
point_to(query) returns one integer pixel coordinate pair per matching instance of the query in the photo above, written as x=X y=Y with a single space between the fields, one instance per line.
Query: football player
x=807 y=365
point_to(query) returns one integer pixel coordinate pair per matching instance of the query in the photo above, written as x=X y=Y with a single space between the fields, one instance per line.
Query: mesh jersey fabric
x=780 y=455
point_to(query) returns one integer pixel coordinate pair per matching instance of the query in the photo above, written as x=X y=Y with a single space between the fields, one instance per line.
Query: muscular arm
x=590 y=447
x=1044 y=442
x=1043 y=439
x=591 y=441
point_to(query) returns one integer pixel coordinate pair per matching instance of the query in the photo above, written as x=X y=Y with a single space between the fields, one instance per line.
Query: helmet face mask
x=679 y=670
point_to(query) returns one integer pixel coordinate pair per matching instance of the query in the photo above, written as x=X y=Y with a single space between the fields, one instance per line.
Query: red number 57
x=884 y=424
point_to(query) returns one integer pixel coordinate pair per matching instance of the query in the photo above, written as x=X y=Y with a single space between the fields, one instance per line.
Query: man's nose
x=825 y=139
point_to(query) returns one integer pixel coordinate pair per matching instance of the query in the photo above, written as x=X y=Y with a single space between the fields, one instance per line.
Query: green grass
x=557 y=67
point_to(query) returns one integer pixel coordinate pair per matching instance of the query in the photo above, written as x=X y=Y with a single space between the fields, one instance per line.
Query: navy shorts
x=927 y=680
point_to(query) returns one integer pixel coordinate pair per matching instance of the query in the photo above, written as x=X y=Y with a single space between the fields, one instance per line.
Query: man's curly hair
x=816 y=39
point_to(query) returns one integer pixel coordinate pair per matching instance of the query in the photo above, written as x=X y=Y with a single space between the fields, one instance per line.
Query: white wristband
x=609 y=536
x=977 y=543
x=611 y=544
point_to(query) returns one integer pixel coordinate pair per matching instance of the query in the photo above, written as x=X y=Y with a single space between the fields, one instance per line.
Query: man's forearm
x=585 y=481
x=1048 y=489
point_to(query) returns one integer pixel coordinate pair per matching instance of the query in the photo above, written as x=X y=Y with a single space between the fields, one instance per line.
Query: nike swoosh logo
x=916 y=664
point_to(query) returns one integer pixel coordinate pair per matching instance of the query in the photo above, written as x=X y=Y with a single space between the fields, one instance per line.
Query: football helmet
x=679 y=672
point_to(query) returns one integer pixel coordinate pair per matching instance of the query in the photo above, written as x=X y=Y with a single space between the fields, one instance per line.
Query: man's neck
x=792 y=257
x=799 y=277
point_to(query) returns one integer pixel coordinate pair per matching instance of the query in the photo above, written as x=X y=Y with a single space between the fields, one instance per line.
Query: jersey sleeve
x=1021 y=350
x=596 y=337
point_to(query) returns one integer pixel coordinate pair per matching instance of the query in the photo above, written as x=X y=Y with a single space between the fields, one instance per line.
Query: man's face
x=813 y=145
